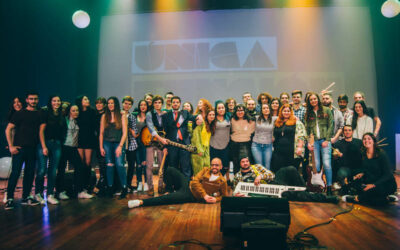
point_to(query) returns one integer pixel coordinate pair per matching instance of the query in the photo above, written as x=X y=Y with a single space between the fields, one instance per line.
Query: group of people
x=271 y=132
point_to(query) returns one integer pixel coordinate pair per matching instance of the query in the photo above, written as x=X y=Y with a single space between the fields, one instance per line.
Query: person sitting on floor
x=374 y=183
x=207 y=186
x=288 y=176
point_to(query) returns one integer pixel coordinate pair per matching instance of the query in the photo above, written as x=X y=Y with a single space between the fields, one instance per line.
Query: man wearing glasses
x=22 y=145
x=207 y=186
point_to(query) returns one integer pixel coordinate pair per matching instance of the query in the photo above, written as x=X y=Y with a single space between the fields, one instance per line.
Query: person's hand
x=45 y=151
x=239 y=195
x=209 y=199
x=369 y=186
x=299 y=151
x=325 y=144
x=118 y=151
x=164 y=141
x=310 y=147
x=257 y=181
x=199 y=120
x=102 y=152
x=14 y=150
x=358 y=176
x=165 y=151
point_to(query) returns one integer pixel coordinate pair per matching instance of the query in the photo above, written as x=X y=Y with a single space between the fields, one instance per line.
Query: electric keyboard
x=247 y=188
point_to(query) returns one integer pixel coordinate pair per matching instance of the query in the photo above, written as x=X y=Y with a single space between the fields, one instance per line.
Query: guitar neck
x=185 y=147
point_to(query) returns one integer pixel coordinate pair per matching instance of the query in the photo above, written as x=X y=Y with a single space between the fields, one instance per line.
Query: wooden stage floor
x=102 y=223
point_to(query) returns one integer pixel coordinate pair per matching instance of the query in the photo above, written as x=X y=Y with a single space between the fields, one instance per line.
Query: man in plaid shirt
x=252 y=173
x=298 y=109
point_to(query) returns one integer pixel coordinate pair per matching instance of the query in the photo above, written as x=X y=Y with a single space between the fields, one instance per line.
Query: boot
x=123 y=193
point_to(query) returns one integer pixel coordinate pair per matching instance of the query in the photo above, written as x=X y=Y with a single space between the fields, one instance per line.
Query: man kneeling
x=207 y=186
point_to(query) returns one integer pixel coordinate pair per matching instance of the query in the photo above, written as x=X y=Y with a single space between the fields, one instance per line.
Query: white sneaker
x=40 y=199
x=336 y=186
x=63 y=196
x=140 y=187
x=393 y=198
x=133 y=203
x=84 y=195
x=52 y=200
x=145 y=187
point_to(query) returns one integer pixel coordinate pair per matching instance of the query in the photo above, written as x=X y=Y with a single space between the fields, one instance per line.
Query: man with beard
x=22 y=146
x=251 y=107
x=349 y=155
x=207 y=186
x=347 y=113
x=298 y=109
x=338 y=121
x=175 y=124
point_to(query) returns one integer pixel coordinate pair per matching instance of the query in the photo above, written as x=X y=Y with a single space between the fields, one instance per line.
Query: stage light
x=81 y=19
x=390 y=8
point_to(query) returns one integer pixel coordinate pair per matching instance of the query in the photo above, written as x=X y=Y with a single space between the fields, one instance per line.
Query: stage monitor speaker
x=263 y=234
x=236 y=211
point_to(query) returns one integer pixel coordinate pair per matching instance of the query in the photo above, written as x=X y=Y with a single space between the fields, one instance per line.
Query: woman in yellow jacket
x=201 y=136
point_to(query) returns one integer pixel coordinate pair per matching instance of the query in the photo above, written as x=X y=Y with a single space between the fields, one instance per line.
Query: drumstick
x=382 y=140
x=330 y=85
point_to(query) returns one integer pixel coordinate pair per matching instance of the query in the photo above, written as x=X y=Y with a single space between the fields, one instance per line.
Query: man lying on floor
x=207 y=186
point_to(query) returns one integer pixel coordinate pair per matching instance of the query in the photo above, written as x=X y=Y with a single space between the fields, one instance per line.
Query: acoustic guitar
x=315 y=182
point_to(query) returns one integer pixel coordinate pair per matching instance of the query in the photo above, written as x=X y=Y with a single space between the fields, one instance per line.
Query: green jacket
x=325 y=124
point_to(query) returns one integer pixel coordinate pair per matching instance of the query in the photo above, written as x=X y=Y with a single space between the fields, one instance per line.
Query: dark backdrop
x=41 y=50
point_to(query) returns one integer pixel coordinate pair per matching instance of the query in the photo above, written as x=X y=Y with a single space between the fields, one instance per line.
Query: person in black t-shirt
x=22 y=146
x=52 y=134
x=349 y=156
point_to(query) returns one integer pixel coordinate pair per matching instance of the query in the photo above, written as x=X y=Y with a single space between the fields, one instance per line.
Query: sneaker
x=40 y=199
x=30 y=201
x=336 y=186
x=5 y=198
x=9 y=204
x=63 y=196
x=140 y=187
x=393 y=198
x=123 y=194
x=133 y=203
x=84 y=195
x=145 y=187
x=348 y=198
x=117 y=193
x=52 y=200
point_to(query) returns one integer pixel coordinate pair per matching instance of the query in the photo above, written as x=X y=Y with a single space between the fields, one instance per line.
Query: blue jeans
x=326 y=159
x=262 y=154
x=118 y=162
x=140 y=157
x=26 y=155
x=54 y=156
